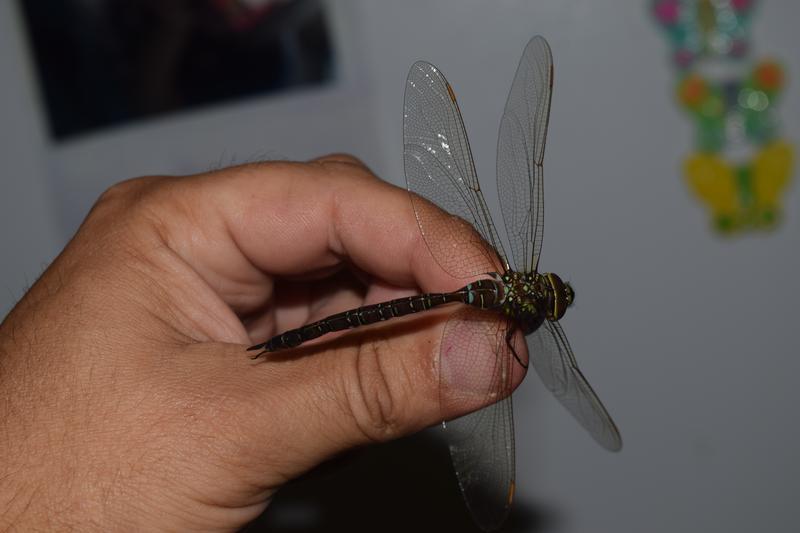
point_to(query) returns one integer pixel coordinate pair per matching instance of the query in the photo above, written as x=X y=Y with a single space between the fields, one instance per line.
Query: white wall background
x=689 y=339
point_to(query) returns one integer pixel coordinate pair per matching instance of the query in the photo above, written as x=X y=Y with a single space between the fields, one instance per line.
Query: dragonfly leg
x=510 y=343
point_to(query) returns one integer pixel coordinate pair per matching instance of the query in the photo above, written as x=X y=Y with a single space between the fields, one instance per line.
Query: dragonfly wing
x=475 y=353
x=439 y=170
x=520 y=152
x=555 y=363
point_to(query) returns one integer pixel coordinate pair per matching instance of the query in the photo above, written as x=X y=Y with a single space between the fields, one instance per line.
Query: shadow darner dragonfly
x=440 y=172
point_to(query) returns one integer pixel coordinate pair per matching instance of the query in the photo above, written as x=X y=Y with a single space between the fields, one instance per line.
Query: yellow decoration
x=712 y=179
x=745 y=195
x=772 y=169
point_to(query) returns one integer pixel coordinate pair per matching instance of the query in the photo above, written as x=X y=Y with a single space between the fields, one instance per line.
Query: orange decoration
x=769 y=75
x=693 y=90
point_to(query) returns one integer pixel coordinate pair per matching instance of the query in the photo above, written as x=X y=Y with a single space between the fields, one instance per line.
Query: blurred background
x=669 y=206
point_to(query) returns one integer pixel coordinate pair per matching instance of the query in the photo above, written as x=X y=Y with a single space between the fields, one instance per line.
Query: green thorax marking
x=530 y=298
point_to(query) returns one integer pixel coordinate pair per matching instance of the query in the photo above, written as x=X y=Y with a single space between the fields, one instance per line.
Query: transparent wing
x=555 y=363
x=439 y=171
x=475 y=354
x=520 y=151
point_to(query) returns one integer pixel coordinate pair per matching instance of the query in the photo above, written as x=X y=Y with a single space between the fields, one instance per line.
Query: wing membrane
x=555 y=363
x=439 y=169
x=520 y=152
x=475 y=353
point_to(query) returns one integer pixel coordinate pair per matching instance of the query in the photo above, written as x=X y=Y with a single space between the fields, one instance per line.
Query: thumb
x=380 y=383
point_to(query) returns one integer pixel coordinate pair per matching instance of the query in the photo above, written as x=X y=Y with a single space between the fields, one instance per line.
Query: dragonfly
x=510 y=296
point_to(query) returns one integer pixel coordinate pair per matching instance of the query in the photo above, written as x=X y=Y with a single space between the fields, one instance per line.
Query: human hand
x=128 y=400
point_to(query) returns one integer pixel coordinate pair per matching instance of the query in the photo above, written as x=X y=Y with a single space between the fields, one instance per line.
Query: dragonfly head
x=559 y=296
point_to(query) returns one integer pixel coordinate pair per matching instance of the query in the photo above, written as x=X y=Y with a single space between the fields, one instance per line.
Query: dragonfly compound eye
x=570 y=294
x=559 y=297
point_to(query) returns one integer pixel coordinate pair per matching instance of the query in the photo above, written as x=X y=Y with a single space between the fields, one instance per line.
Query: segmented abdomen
x=486 y=294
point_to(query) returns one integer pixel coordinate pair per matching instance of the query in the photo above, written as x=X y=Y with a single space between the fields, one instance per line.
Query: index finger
x=289 y=219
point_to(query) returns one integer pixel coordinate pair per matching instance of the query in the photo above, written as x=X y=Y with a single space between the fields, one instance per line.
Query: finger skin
x=129 y=400
x=312 y=218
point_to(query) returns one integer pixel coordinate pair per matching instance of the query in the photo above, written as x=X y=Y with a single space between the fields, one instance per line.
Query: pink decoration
x=667 y=11
x=740 y=5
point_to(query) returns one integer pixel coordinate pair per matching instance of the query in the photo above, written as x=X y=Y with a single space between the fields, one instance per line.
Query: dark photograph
x=107 y=63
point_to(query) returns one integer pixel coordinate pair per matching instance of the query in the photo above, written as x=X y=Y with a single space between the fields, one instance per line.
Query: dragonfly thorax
x=531 y=298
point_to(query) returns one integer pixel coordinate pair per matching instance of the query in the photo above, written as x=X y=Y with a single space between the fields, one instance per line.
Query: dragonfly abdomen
x=486 y=294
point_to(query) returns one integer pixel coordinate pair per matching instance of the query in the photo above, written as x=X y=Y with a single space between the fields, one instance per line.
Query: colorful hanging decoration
x=741 y=166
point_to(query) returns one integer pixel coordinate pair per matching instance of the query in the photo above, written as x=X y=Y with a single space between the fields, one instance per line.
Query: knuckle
x=339 y=163
x=341 y=158
x=123 y=198
x=127 y=189
x=129 y=219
